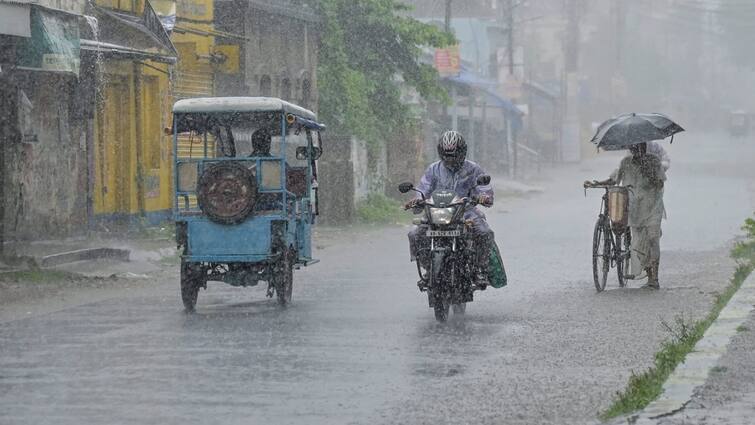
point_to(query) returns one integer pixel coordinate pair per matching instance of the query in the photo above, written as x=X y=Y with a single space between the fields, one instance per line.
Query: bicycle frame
x=612 y=252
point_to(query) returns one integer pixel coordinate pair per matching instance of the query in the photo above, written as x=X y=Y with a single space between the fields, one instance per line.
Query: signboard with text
x=448 y=61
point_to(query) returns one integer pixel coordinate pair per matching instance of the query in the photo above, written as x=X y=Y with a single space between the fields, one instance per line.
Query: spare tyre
x=227 y=192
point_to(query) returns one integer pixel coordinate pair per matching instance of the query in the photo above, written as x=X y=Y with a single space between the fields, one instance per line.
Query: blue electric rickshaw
x=244 y=215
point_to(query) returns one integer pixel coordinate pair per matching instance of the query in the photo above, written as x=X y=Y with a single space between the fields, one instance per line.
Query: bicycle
x=611 y=238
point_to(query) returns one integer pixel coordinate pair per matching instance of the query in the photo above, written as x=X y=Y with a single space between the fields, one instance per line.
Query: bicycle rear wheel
x=601 y=254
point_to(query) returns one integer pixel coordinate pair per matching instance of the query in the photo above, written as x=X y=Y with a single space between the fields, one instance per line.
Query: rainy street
x=205 y=212
x=359 y=345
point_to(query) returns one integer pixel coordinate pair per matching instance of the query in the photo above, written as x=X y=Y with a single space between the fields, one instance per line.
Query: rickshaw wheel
x=191 y=280
x=284 y=279
x=227 y=192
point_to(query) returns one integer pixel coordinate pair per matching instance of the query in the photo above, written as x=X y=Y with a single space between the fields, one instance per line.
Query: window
x=306 y=93
x=266 y=86
x=286 y=89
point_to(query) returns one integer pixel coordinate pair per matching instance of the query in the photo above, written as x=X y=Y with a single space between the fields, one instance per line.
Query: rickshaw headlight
x=442 y=216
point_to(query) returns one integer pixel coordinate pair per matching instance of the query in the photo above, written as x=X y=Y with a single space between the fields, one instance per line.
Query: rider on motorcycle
x=455 y=172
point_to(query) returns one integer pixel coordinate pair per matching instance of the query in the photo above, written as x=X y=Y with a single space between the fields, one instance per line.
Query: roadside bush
x=380 y=209
x=744 y=251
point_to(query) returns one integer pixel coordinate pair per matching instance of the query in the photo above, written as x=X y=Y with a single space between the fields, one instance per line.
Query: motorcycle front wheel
x=441 y=304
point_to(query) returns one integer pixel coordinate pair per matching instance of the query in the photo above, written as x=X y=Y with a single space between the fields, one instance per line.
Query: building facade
x=131 y=163
x=278 y=52
x=44 y=142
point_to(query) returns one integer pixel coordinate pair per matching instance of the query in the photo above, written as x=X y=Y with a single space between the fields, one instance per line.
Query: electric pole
x=510 y=34
x=570 y=135
x=448 y=15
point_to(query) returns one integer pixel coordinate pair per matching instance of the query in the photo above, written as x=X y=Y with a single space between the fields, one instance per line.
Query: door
x=113 y=186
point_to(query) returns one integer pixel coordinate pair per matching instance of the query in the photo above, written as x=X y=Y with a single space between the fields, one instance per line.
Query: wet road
x=359 y=344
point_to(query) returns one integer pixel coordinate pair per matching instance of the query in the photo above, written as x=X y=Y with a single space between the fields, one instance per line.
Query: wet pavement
x=728 y=396
x=359 y=344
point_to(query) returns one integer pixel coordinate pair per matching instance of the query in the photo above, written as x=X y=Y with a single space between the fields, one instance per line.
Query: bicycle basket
x=618 y=203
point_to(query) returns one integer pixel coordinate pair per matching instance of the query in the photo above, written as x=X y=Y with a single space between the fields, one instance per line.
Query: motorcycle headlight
x=442 y=215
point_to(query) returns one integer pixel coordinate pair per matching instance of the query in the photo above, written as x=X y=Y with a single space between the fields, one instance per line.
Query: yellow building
x=193 y=36
x=131 y=173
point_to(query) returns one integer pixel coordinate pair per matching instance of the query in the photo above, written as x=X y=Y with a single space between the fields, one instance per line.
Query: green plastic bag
x=497 y=272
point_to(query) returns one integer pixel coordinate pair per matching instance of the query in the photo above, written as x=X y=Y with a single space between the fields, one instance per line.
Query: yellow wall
x=194 y=72
x=133 y=157
x=133 y=6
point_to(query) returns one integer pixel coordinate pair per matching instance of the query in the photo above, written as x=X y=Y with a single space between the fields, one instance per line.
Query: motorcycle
x=448 y=252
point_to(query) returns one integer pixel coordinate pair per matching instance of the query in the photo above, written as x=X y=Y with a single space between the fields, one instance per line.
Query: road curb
x=693 y=372
x=84 y=255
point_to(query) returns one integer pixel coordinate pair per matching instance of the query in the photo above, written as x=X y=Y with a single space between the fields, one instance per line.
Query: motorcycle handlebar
x=465 y=201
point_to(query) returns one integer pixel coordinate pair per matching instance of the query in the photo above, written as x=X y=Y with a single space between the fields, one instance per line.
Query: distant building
x=277 y=43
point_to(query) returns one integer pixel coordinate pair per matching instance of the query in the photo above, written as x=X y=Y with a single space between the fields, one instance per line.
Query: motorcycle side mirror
x=405 y=187
x=483 y=180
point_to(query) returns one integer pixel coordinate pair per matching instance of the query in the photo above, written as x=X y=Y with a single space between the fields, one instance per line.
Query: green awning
x=54 y=42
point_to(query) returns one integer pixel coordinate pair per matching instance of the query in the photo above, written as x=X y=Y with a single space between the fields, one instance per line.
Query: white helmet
x=452 y=149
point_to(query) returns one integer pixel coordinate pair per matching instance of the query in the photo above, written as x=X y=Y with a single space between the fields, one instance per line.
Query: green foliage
x=645 y=387
x=380 y=209
x=744 y=252
x=367 y=48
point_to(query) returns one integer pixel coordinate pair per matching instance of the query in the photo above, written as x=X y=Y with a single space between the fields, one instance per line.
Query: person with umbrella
x=644 y=174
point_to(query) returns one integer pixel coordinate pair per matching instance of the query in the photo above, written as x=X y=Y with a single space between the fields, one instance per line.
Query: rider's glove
x=412 y=204
x=485 y=200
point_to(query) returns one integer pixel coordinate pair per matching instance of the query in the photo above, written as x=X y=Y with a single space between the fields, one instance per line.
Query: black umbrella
x=630 y=129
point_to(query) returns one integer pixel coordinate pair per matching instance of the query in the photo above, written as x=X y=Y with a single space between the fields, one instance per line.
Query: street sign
x=447 y=61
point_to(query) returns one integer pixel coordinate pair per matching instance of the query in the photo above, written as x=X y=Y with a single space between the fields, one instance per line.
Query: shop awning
x=53 y=44
x=470 y=78
x=118 y=34
x=542 y=90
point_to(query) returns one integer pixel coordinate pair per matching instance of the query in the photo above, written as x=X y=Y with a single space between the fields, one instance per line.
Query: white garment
x=655 y=148
x=645 y=209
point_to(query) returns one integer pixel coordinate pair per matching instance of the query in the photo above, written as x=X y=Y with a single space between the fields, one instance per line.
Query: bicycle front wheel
x=601 y=254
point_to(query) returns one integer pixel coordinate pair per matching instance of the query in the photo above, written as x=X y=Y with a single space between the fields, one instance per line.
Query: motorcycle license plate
x=443 y=233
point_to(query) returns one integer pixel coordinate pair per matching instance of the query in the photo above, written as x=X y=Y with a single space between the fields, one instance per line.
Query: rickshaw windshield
x=230 y=134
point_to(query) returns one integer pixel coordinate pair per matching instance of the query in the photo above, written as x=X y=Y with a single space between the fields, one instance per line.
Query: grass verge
x=645 y=387
x=380 y=209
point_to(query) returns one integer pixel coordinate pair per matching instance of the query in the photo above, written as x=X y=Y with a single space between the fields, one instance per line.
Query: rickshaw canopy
x=240 y=104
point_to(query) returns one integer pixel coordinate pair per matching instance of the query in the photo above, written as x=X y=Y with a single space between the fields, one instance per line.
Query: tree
x=368 y=50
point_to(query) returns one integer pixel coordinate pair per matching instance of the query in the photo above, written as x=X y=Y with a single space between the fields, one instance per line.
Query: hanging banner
x=447 y=61
x=53 y=45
